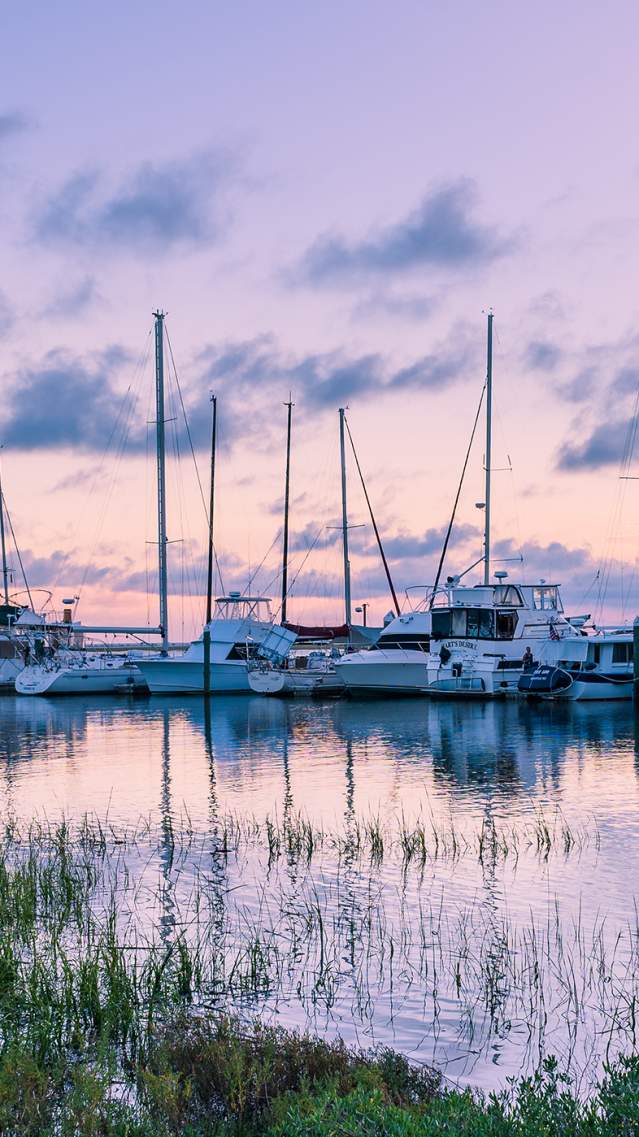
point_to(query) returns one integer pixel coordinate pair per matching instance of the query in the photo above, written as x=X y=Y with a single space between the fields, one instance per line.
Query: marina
x=319 y=571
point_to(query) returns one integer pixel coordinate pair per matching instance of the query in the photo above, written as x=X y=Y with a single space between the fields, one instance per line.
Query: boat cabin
x=495 y=611
x=410 y=632
x=607 y=654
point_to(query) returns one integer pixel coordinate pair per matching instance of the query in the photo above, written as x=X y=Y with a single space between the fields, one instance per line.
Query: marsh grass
x=107 y=934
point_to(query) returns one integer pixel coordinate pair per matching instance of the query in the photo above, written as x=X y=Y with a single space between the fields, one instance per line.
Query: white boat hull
x=9 y=671
x=78 y=680
x=595 y=691
x=384 y=673
x=186 y=677
x=291 y=683
x=474 y=681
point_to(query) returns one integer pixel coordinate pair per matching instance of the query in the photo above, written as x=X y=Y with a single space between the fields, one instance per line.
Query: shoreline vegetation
x=206 y=1076
x=132 y=984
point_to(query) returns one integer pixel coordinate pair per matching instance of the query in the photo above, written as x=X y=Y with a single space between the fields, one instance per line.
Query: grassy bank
x=214 y=1076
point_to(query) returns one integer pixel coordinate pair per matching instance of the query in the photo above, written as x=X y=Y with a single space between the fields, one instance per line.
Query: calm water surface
x=462 y=959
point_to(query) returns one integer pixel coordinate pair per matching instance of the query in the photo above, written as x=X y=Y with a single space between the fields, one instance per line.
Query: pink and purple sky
x=326 y=199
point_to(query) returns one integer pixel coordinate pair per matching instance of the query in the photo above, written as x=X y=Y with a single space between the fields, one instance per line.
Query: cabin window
x=506 y=622
x=464 y=623
x=486 y=625
x=441 y=624
x=416 y=642
x=458 y=622
x=508 y=596
x=243 y=651
x=545 y=597
x=596 y=653
x=622 y=653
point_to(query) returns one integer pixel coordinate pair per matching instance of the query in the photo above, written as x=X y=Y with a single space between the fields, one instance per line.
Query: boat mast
x=347 y=564
x=290 y=406
x=489 y=428
x=209 y=577
x=161 y=477
x=5 y=572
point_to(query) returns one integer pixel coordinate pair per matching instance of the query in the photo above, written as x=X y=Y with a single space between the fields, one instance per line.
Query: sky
x=326 y=200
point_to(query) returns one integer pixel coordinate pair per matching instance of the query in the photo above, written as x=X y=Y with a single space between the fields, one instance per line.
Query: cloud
x=315 y=536
x=626 y=381
x=74 y=481
x=74 y=300
x=605 y=446
x=541 y=559
x=426 y=544
x=441 y=232
x=67 y=401
x=7 y=316
x=611 y=369
x=547 y=306
x=402 y=307
x=542 y=355
x=158 y=206
x=331 y=379
x=12 y=123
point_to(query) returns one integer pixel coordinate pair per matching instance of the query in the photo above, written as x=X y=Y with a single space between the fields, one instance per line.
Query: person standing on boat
x=528 y=660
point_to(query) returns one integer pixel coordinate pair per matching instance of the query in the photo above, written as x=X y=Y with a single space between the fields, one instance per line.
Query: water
x=480 y=963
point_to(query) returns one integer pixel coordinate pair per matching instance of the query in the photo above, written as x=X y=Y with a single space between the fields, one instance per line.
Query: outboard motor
x=544 y=680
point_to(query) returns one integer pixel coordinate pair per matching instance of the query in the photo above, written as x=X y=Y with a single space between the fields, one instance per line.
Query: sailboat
x=18 y=622
x=312 y=669
x=59 y=667
x=468 y=641
x=239 y=629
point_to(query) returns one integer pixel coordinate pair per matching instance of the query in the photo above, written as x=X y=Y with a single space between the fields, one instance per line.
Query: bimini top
x=235 y=606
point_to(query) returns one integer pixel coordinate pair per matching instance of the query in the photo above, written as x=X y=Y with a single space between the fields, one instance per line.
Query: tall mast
x=489 y=429
x=5 y=572
x=209 y=578
x=290 y=406
x=209 y=575
x=347 y=564
x=161 y=477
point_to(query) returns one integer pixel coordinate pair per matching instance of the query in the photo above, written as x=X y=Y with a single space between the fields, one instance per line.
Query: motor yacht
x=242 y=629
x=599 y=665
x=484 y=638
x=397 y=664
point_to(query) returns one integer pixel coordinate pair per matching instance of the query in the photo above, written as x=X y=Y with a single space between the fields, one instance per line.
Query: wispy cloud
x=603 y=447
x=7 y=315
x=542 y=355
x=158 y=206
x=441 y=232
x=394 y=305
x=72 y=301
x=329 y=379
x=405 y=545
x=13 y=123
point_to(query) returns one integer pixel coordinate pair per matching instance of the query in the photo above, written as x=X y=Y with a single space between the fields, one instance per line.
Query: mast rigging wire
x=188 y=434
x=374 y=523
x=456 y=502
x=3 y=505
